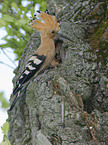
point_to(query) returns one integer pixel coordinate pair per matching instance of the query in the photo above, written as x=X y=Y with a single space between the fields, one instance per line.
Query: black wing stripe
x=14 y=102
x=31 y=68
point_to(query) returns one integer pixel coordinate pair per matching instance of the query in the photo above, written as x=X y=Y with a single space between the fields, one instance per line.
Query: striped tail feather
x=14 y=102
x=17 y=88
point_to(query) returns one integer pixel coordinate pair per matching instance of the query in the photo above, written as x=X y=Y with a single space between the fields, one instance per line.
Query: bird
x=44 y=55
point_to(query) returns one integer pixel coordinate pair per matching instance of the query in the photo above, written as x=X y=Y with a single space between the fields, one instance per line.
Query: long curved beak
x=61 y=35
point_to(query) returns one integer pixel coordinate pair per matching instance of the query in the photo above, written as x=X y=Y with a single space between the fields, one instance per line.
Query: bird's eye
x=52 y=32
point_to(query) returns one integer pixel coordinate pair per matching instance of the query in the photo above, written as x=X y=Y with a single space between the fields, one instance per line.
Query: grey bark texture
x=80 y=82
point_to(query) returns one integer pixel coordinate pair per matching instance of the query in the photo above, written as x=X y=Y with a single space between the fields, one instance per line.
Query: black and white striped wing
x=33 y=66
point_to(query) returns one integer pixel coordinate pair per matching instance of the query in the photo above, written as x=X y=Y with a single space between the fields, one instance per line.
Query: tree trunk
x=67 y=105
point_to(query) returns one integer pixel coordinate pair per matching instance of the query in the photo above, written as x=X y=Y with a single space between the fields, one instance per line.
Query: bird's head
x=48 y=27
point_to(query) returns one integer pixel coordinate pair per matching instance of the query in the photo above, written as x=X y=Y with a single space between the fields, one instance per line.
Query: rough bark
x=80 y=82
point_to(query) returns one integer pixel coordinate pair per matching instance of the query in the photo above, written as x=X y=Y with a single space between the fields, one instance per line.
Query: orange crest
x=50 y=22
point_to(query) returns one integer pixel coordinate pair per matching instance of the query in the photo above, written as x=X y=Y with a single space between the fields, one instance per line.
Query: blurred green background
x=14 y=36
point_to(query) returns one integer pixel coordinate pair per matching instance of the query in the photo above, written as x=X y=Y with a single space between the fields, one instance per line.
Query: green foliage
x=43 y=4
x=14 y=19
x=5 y=129
x=6 y=142
x=4 y=102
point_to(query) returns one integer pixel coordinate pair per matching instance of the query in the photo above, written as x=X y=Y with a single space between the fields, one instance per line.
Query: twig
x=7 y=65
x=8 y=57
x=24 y=38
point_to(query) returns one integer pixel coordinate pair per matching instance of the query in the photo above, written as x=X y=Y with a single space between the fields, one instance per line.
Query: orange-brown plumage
x=50 y=24
x=44 y=55
x=46 y=28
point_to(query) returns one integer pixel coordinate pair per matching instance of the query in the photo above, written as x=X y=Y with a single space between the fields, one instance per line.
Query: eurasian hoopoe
x=44 y=55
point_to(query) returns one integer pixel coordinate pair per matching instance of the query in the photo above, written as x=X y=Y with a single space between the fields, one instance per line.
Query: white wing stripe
x=32 y=58
x=26 y=72
x=37 y=61
x=21 y=77
x=31 y=68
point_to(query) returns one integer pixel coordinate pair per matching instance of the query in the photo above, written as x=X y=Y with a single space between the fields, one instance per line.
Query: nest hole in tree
x=60 y=52
x=88 y=105
x=60 y=56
